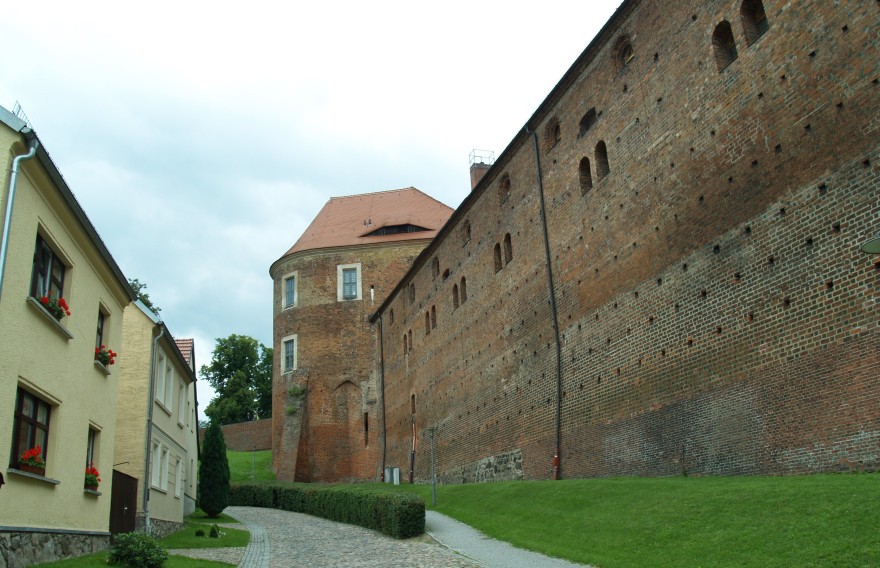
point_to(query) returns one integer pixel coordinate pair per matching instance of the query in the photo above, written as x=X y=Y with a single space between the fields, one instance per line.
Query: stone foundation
x=160 y=528
x=26 y=547
x=503 y=467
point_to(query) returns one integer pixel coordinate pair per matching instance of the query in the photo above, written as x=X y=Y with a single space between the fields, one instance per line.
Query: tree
x=140 y=290
x=241 y=373
x=213 y=472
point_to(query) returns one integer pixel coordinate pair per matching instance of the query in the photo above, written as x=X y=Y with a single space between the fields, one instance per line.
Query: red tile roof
x=187 y=349
x=345 y=221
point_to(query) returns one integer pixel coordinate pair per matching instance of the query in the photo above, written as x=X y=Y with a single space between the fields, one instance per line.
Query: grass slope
x=100 y=559
x=242 y=464
x=822 y=520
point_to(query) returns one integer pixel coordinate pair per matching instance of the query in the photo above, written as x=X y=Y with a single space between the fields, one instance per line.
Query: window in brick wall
x=427 y=323
x=463 y=290
x=348 y=282
x=435 y=268
x=405 y=344
x=623 y=52
x=454 y=296
x=587 y=122
x=552 y=133
x=433 y=317
x=585 y=176
x=290 y=359
x=724 y=45
x=602 y=166
x=445 y=274
x=465 y=233
x=409 y=336
x=754 y=20
x=412 y=293
x=508 y=249
x=504 y=189
x=497 y=255
x=391 y=315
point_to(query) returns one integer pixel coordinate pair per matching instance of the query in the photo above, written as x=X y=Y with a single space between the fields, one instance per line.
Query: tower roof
x=384 y=216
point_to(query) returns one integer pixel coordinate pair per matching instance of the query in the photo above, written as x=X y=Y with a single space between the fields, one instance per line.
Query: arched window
x=504 y=189
x=623 y=52
x=433 y=317
x=587 y=121
x=498 y=264
x=463 y=290
x=602 y=167
x=427 y=323
x=508 y=249
x=455 y=296
x=754 y=20
x=586 y=176
x=724 y=45
x=552 y=133
x=445 y=274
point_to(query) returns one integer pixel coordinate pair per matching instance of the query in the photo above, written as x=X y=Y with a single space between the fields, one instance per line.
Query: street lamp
x=871 y=246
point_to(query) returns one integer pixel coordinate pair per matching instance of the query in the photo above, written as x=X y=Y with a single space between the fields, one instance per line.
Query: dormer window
x=396 y=230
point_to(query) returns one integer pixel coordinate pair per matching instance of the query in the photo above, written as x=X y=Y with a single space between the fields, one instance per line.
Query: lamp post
x=431 y=431
x=254 y=463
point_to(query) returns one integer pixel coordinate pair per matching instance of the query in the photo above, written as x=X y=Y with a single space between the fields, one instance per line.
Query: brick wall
x=243 y=436
x=715 y=315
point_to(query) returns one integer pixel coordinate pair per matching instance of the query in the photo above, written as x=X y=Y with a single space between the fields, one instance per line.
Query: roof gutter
x=149 y=437
x=7 y=221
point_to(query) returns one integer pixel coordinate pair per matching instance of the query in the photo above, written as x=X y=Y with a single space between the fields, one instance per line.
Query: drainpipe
x=7 y=222
x=382 y=392
x=556 y=460
x=149 y=440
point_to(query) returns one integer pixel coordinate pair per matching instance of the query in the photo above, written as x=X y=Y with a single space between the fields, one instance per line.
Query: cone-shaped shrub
x=213 y=472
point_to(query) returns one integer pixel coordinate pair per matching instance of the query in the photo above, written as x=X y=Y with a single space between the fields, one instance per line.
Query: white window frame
x=181 y=397
x=178 y=478
x=287 y=302
x=284 y=342
x=339 y=282
x=156 y=469
x=169 y=384
x=160 y=377
x=165 y=459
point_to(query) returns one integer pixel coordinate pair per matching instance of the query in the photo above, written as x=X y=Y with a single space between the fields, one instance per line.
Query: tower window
x=724 y=45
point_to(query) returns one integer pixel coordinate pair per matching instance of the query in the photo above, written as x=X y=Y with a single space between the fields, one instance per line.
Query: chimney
x=481 y=161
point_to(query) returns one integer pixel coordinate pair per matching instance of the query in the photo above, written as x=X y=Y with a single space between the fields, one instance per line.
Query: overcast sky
x=201 y=139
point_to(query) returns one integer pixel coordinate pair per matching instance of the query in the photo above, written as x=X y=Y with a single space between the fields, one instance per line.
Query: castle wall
x=715 y=315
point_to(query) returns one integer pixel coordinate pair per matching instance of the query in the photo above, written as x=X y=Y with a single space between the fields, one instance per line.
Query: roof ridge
x=377 y=192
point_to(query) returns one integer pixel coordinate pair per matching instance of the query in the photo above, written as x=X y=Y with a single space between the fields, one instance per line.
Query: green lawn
x=243 y=464
x=821 y=520
x=100 y=559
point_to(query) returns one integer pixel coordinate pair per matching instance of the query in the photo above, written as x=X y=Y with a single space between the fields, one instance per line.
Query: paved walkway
x=282 y=539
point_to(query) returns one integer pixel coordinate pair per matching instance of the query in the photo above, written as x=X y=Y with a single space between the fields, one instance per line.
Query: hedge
x=400 y=515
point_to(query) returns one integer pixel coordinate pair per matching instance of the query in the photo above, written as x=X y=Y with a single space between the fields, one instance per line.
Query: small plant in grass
x=200 y=532
x=215 y=532
x=137 y=550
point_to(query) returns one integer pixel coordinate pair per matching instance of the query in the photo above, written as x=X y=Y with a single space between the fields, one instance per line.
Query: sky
x=201 y=139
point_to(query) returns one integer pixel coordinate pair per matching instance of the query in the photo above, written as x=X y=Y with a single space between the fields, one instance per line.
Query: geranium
x=93 y=477
x=56 y=306
x=105 y=356
x=33 y=457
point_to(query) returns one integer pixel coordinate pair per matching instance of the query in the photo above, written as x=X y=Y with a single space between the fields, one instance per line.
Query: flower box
x=91 y=487
x=41 y=471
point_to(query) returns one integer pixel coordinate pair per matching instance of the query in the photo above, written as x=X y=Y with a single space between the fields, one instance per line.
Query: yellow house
x=54 y=392
x=156 y=426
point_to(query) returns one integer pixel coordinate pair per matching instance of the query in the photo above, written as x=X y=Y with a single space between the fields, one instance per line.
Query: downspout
x=557 y=467
x=149 y=440
x=382 y=393
x=10 y=200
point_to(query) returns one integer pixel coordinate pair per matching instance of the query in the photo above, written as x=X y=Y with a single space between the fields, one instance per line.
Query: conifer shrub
x=213 y=472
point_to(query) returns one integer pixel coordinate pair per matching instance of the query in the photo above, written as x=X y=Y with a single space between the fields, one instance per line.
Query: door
x=123 y=503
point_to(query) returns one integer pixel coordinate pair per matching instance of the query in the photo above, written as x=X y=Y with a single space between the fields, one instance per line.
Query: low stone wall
x=159 y=527
x=243 y=436
x=503 y=467
x=20 y=549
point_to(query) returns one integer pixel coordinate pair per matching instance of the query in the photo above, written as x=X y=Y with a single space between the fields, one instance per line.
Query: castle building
x=660 y=274
x=325 y=404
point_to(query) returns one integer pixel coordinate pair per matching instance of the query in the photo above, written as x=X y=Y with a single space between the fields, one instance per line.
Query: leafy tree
x=140 y=290
x=241 y=373
x=213 y=472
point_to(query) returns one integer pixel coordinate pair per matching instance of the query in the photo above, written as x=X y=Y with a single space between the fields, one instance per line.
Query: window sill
x=163 y=407
x=288 y=307
x=50 y=319
x=159 y=489
x=92 y=492
x=180 y=425
x=48 y=480
x=100 y=366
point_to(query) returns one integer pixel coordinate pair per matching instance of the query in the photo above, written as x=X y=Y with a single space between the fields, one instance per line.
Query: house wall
x=55 y=361
x=322 y=437
x=715 y=315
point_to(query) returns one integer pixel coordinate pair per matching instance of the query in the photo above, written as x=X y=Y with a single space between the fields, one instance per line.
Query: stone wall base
x=503 y=467
x=159 y=528
x=20 y=549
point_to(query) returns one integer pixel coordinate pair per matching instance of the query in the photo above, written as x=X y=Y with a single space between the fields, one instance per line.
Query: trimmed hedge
x=400 y=515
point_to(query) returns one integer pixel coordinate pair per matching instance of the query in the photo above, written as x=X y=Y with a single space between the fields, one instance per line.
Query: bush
x=200 y=532
x=137 y=550
x=215 y=532
x=400 y=515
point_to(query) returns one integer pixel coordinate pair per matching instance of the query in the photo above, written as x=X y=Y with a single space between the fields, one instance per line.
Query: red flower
x=44 y=300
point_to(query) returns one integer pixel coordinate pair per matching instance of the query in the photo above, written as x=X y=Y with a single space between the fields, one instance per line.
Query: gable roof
x=187 y=349
x=346 y=221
